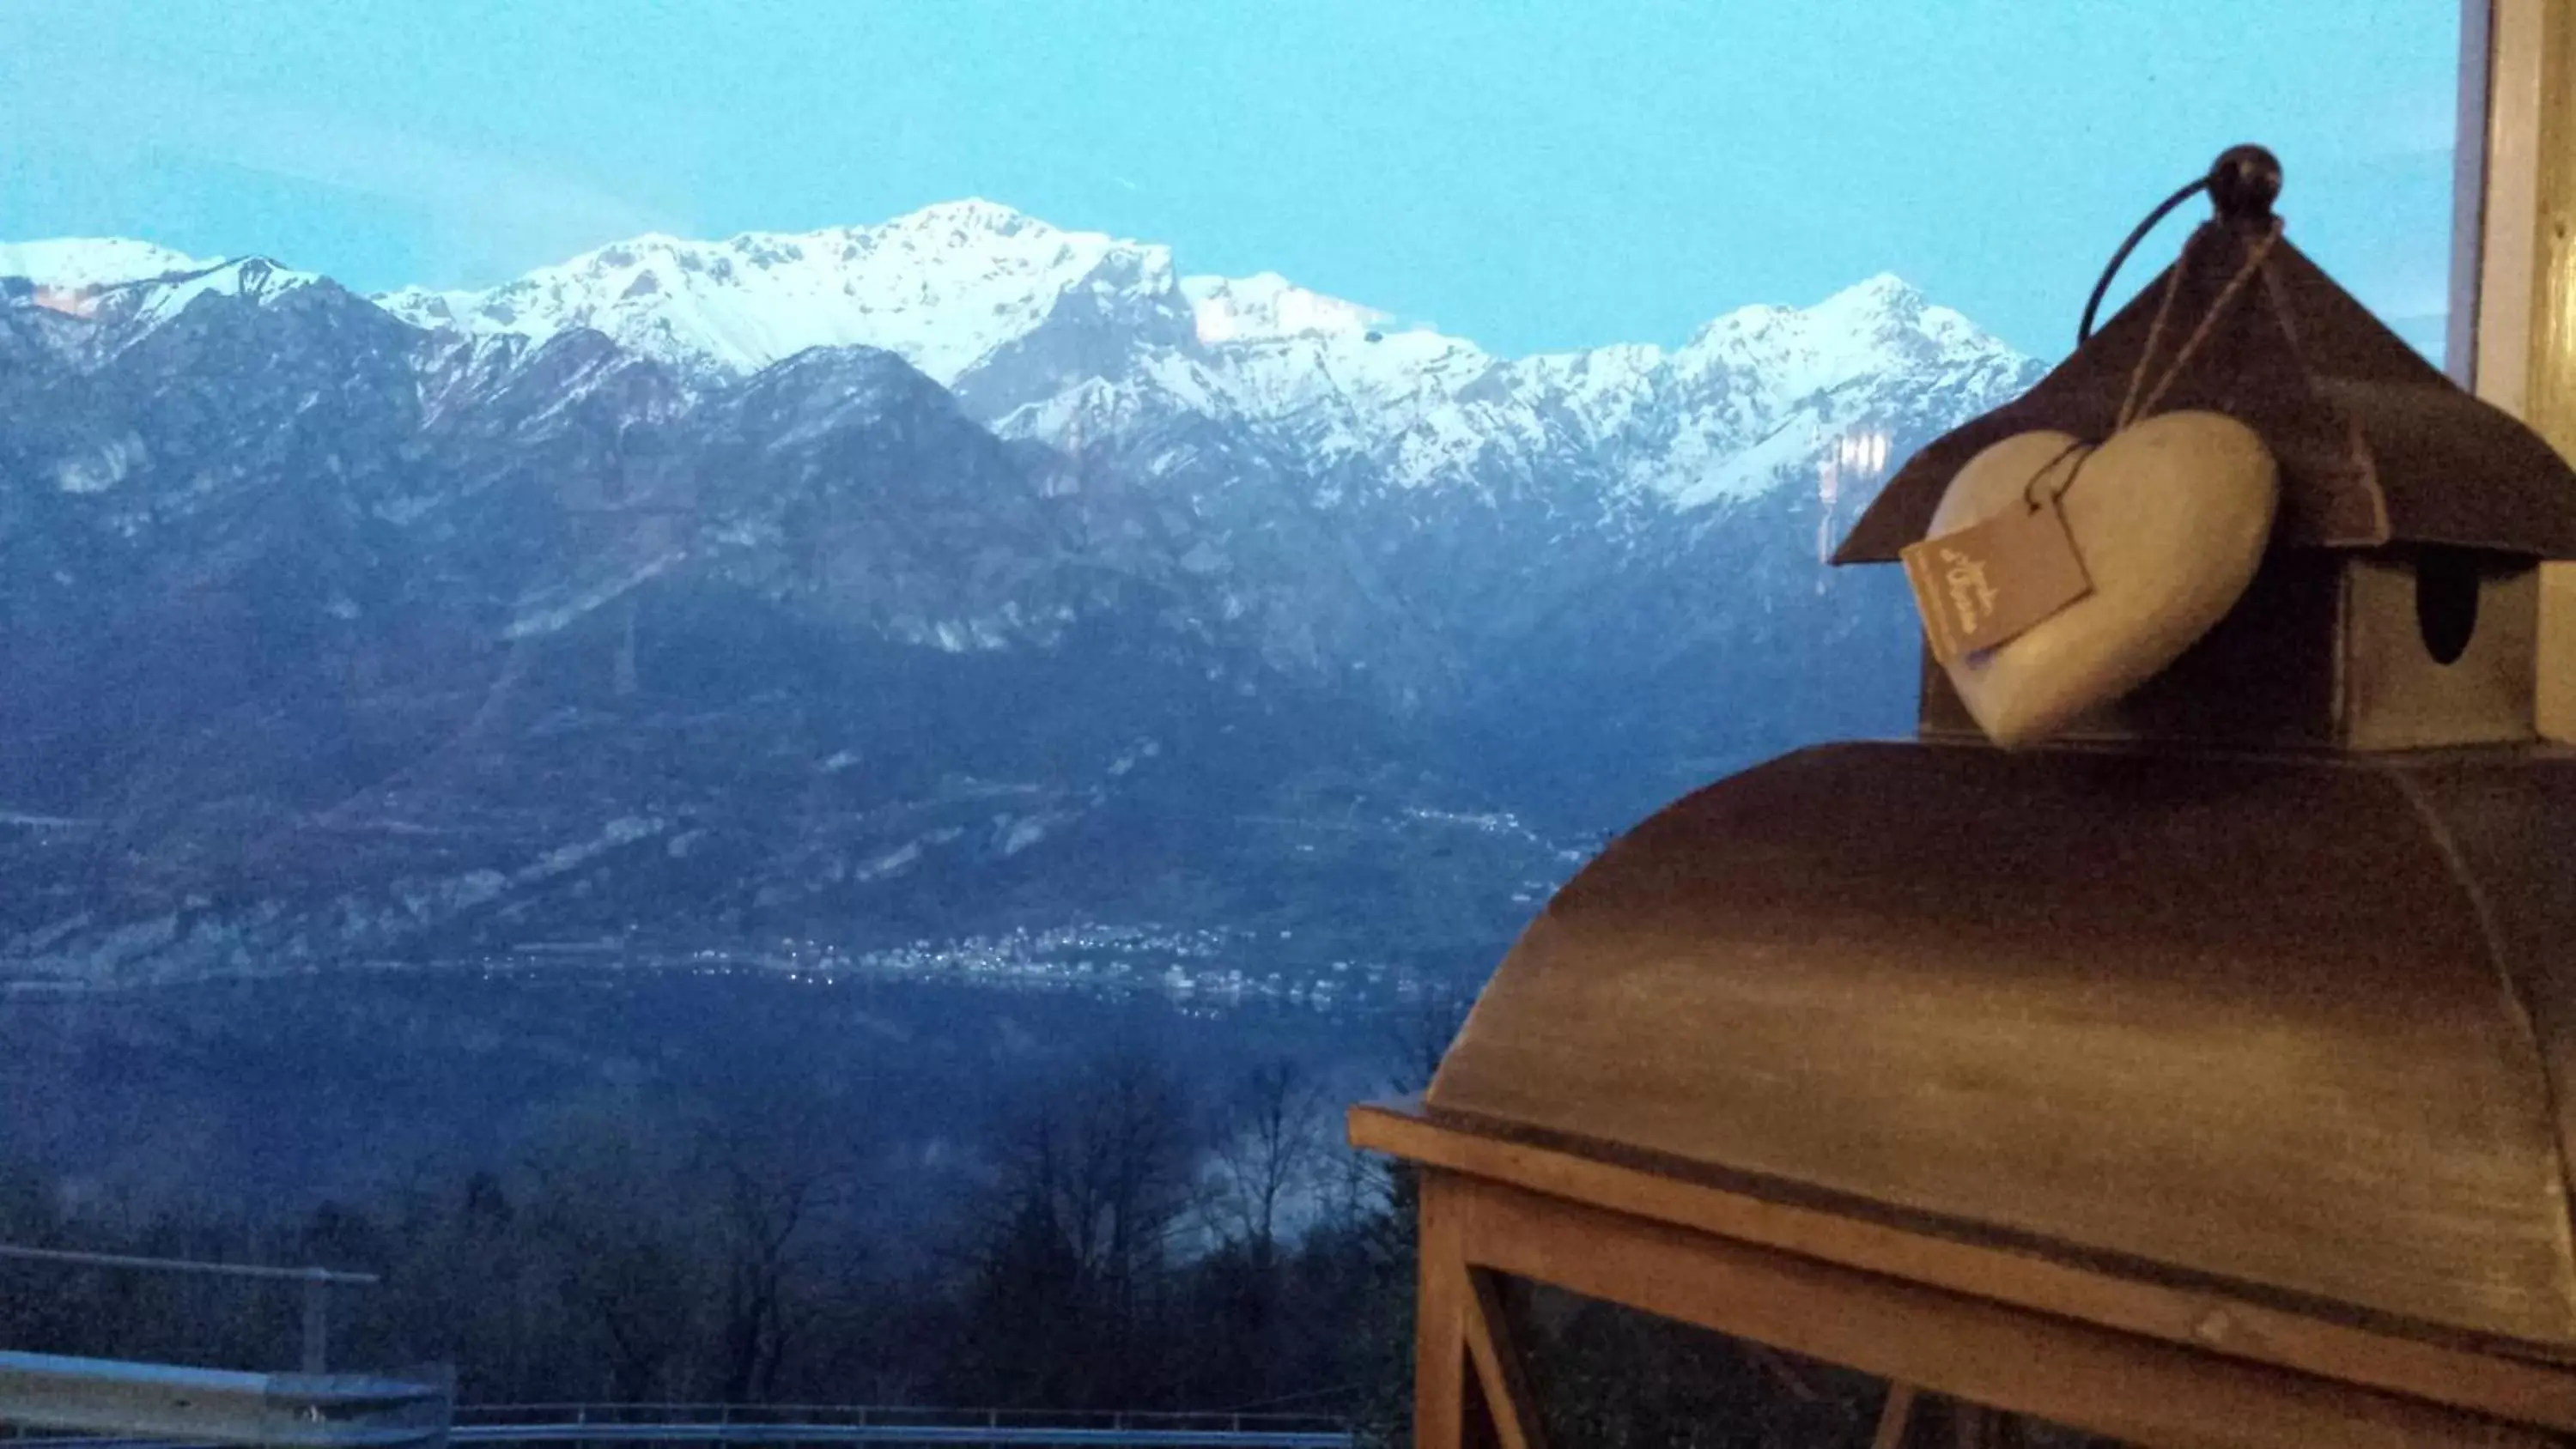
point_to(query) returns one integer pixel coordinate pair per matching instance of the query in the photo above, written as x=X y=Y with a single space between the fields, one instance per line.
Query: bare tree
x=602 y=1193
x=1094 y=1180
x=1269 y=1145
x=1422 y=1037
x=766 y=1205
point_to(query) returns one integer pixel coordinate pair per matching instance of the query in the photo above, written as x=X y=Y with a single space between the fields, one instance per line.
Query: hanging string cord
x=2277 y=302
x=2155 y=333
x=2131 y=409
x=2079 y=450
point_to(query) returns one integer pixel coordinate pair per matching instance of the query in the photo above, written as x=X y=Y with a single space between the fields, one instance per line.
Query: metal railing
x=113 y=1404
x=240 y=1409
x=1041 y=1436
x=994 y=1428
x=217 y=1406
x=318 y=1283
x=562 y=1423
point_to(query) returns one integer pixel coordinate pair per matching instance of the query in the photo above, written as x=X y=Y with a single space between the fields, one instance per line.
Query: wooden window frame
x=2513 y=262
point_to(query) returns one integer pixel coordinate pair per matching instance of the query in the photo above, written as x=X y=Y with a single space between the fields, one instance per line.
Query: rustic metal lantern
x=2199 y=1079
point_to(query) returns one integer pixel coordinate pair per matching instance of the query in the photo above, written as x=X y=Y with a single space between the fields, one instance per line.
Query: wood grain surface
x=2242 y=1019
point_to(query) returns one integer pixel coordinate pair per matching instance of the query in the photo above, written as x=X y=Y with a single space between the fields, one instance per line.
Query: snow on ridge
x=1878 y=327
x=1746 y=402
x=952 y=285
x=136 y=286
x=160 y=299
x=78 y=263
x=946 y=284
x=942 y=287
x=1268 y=305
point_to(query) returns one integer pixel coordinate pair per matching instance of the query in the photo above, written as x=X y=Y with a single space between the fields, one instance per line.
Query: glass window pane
x=771 y=702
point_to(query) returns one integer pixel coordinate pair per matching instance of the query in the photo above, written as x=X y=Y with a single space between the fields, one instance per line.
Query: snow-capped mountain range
x=1027 y=321
x=963 y=291
x=924 y=576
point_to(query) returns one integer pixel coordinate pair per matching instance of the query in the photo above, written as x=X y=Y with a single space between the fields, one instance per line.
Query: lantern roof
x=2376 y=446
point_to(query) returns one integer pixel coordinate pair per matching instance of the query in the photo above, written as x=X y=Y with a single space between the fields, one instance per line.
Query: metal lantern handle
x=2242 y=185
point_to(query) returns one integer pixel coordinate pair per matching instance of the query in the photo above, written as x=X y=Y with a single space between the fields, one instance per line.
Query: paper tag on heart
x=1995 y=579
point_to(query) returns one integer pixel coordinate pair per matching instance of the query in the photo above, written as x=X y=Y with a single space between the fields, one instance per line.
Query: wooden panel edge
x=2516 y=1389
x=1440 y=1366
x=1496 y=1355
x=1895 y=1416
x=2549 y=377
x=1959 y=1344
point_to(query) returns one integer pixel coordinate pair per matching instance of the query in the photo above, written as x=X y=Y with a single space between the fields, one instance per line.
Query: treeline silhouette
x=1128 y=1245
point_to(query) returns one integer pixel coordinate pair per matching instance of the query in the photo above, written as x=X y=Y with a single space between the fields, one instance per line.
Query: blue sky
x=1532 y=175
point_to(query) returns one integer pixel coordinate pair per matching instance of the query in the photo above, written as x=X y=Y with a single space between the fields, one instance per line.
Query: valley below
x=862 y=675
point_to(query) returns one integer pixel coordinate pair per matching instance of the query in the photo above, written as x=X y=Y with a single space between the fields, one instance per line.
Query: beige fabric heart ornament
x=2169 y=518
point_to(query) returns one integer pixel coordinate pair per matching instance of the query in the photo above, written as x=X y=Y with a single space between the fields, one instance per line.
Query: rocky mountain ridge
x=659 y=598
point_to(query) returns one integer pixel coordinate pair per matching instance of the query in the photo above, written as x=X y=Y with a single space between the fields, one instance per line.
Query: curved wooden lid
x=2286 y=1025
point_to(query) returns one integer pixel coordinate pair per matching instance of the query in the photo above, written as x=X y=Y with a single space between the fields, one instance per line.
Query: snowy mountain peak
x=967 y=215
x=1882 y=303
x=942 y=287
x=1886 y=291
x=1267 y=305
